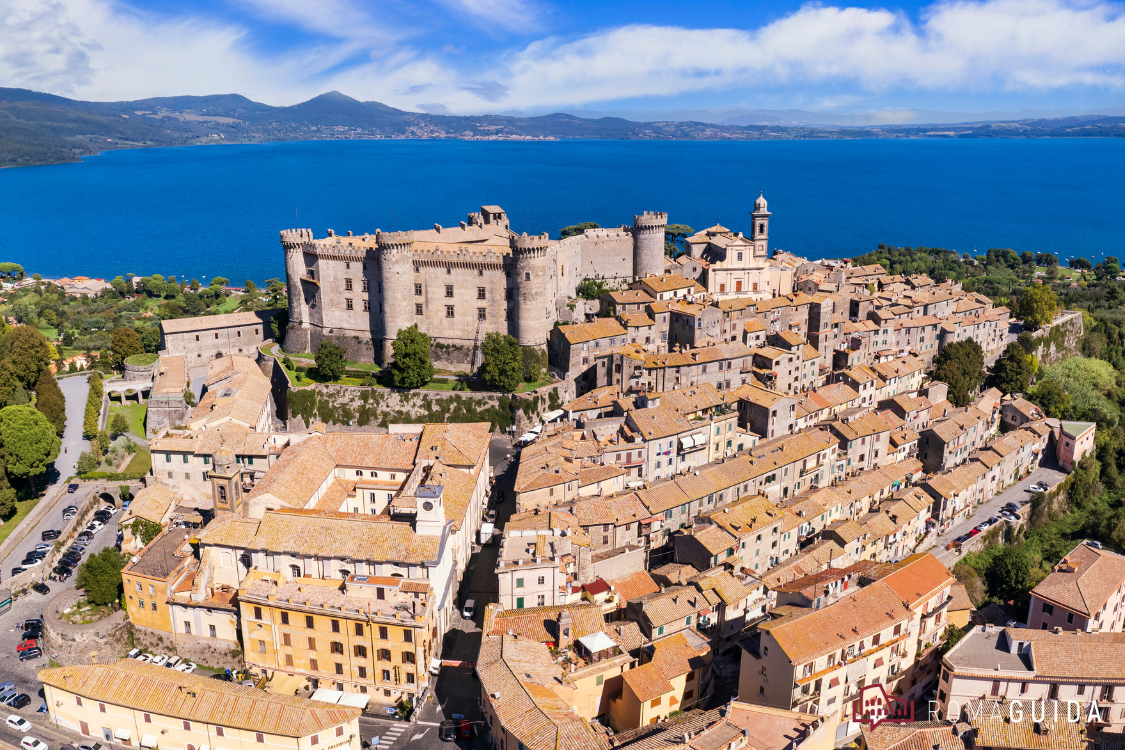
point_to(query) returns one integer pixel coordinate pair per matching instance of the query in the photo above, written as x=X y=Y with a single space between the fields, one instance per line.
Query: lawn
x=525 y=387
x=23 y=507
x=134 y=414
x=229 y=304
x=51 y=334
x=141 y=463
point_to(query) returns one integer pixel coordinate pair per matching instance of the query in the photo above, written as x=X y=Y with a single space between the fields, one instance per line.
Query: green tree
x=951 y=638
x=87 y=462
x=145 y=530
x=331 y=360
x=1037 y=305
x=1009 y=573
x=411 y=367
x=276 y=291
x=50 y=401
x=1051 y=398
x=590 y=288
x=220 y=281
x=100 y=576
x=1086 y=381
x=250 y=287
x=125 y=342
x=28 y=353
x=960 y=365
x=534 y=362
x=574 y=229
x=195 y=285
x=1081 y=264
x=674 y=235
x=7 y=493
x=49 y=317
x=1012 y=371
x=30 y=441
x=503 y=362
x=150 y=338
x=118 y=425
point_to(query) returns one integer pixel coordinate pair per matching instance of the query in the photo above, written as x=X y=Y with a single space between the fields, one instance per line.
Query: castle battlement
x=651 y=219
x=606 y=233
x=295 y=236
x=524 y=243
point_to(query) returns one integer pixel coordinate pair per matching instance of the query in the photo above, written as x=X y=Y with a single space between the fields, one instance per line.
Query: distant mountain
x=38 y=128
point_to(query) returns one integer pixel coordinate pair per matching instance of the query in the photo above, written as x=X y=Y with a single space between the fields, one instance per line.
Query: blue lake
x=217 y=210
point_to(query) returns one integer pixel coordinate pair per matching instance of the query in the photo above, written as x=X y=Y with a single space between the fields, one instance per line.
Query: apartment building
x=1074 y=442
x=537 y=567
x=133 y=702
x=729 y=728
x=572 y=351
x=1015 y=412
x=819 y=660
x=149 y=577
x=949 y=440
x=372 y=635
x=1084 y=592
x=1037 y=665
x=612 y=522
x=864 y=441
x=673 y=680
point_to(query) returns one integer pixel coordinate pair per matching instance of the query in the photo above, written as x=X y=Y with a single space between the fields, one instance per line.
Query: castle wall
x=607 y=254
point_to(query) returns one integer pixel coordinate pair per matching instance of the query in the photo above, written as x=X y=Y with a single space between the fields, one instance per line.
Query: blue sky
x=472 y=56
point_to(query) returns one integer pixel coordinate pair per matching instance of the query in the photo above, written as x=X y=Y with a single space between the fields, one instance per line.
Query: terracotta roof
x=147 y=687
x=1083 y=580
x=152 y=504
x=992 y=731
x=540 y=623
x=343 y=535
x=634 y=584
x=918 y=735
x=647 y=682
x=601 y=328
x=208 y=322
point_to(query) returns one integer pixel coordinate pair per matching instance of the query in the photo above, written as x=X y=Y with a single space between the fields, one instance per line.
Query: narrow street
x=73 y=444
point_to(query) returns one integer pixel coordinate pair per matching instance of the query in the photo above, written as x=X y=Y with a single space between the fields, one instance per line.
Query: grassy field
x=23 y=507
x=51 y=334
x=134 y=414
x=230 y=303
x=141 y=463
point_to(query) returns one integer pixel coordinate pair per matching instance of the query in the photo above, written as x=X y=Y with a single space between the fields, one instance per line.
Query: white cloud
x=833 y=55
x=996 y=44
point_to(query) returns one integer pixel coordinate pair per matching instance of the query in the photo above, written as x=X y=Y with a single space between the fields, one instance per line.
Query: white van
x=470 y=609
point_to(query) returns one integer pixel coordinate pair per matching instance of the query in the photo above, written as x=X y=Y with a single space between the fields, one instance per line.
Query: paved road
x=25 y=673
x=1048 y=472
x=75 y=390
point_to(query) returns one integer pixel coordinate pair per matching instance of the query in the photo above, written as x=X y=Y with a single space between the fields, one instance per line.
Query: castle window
x=366 y=306
x=448 y=290
x=527 y=276
x=449 y=311
x=480 y=292
x=480 y=272
x=347 y=265
x=197 y=337
x=417 y=290
x=365 y=285
x=480 y=313
x=449 y=270
x=417 y=269
x=347 y=285
x=418 y=309
x=349 y=304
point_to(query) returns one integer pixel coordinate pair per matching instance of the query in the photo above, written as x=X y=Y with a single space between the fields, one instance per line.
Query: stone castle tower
x=396 y=285
x=648 y=243
x=293 y=242
x=532 y=311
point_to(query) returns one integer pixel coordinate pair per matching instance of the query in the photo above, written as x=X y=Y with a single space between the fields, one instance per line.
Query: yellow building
x=155 y=573
x=672 y=681
x=373 y=635
x=133 y=703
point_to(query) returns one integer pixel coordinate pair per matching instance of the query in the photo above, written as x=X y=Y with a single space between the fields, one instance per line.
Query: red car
x=26 y=645
x=974 y=532
x=466 y=729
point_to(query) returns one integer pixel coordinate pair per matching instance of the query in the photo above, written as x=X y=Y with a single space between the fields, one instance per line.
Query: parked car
x=110 y=509
x=41 y=588
x=79 y=548
x=222 y=676
x=25 y=645
x=63 y=571
x=70 y=509
x=470 y=609
x=31 y=653
x=50 y=535
x=447 y=730
x=19 y=723
x=466 y=729
x=37 y=554
x=71 y=489
x=84 y=537
x=95 y=746
x=159 y=660
x=95 y=526
x=171 y=663
x=491 y=516
x=973 y=532
x=993 y=521
x=34 y=622
x=32 y=634
x=17 y=570
x=43 y=547
x=186 y=667
x=23 y=700
x=1010 y=517
x=1044 y=487
x=1032 y=488
x=1012 y=507
x=133 y=653
x=30 y=743
x=30 y=562
x=1093 y=543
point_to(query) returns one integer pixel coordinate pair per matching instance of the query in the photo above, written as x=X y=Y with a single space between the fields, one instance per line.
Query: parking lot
x=25 y=673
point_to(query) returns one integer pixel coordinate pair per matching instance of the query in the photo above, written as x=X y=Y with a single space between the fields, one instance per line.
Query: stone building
x=210 y=336
x=456 y=283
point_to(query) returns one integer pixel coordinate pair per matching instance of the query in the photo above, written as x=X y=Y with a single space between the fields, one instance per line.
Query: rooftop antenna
x=297 y=216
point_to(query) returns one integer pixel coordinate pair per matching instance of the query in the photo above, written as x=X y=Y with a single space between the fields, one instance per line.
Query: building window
x=384 y=634
x=359 y=628
x=336 y=647
x=448 y=290
x=309 y=622
x=542 y=600
x=339 y=668
x=361 y=651
x=480 y=292
x=218 y=730
x=365 y=285
x=314 y=740
x=187 y=725
x=417 y=309
x=313 y=665
x=417 y=290
x=655 y=703
x=366 y=306
x=481 y=313
x=347 y=285
x=187 y=627
x=407 y=657
x=257 y=613
x=449 y=311
x=312 y=644
x=1048 y=609
x=348 y=303
x=362 y=672
x=285 y=640
x=542 y=580
x=284 y=618
x=259 y=737
x=407 y=636
x=101 y=707
x=519 y=583
x=335 y=626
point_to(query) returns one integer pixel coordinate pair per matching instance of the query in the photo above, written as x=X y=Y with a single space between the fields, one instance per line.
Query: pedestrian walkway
x=388 y=738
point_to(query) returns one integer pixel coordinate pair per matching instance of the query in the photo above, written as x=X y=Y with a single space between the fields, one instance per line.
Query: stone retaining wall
x=1061 y=339
x=101 y=642
x=211 y=652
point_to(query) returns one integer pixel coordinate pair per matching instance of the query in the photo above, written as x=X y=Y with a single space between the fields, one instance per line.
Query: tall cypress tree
x=49 y=399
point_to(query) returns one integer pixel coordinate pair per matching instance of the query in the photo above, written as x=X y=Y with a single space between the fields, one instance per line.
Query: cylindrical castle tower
x=293 y=242
x=532 y=320
x=648 y=243
x=396 y=281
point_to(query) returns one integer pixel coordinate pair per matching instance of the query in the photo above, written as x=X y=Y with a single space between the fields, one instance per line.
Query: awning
x=691 y=442
x=527 y=437
x=149 y=740
x=122 y=734
x=355 y=699
x=536 y=429
x=327 y=696
x=286 y=684
x=856 y=670
x=551 y=416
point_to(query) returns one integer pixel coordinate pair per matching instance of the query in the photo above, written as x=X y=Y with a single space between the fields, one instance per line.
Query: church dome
x=760 y=203
x=224 y=456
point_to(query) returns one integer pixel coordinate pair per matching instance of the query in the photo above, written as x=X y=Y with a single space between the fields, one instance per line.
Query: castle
x=460 y=283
